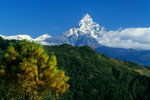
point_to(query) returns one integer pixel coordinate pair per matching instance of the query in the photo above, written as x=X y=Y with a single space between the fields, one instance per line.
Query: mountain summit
x=86 y=33
x=86 y=20
x=86 y=25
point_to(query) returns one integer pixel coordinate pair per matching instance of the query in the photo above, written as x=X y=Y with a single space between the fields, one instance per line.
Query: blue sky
x=37 y=17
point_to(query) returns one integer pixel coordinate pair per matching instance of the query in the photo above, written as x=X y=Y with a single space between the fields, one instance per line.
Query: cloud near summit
x=135 y=38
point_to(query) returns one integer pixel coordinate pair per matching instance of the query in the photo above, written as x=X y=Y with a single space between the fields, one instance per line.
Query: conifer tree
x=27 y=69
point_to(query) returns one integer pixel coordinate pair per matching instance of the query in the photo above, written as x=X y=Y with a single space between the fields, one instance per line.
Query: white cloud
x=135 y=38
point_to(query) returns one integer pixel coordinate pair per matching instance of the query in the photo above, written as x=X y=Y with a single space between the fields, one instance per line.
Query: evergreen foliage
x=94 y=76
x=27 y=70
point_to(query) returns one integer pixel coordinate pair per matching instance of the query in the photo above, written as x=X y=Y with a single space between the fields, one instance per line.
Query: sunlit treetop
x=26 y=68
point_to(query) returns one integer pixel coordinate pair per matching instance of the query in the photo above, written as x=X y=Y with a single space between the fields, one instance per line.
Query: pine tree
x=27 y=69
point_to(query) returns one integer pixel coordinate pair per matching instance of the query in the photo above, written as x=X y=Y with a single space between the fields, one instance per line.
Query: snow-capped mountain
x=86 y=33
x=42 y=37
x=17 y=37
x=87 y=26
x=39 y=39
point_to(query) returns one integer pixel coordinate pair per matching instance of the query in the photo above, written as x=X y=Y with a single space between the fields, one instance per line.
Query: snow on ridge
x=42 y=37
x=86 y=25
x=17 y=37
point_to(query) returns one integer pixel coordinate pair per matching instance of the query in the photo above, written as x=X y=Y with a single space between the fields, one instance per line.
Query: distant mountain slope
x=141 y=57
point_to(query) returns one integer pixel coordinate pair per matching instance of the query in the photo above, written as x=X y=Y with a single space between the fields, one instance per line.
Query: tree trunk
x=26 y=96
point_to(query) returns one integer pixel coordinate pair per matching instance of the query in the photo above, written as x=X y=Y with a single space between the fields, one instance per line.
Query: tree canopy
x=27 y=69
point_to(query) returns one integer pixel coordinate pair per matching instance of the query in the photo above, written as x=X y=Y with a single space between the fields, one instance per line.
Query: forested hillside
x=94 y=76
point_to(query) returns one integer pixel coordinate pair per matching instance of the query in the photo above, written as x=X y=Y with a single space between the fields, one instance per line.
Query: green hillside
x=94 y=76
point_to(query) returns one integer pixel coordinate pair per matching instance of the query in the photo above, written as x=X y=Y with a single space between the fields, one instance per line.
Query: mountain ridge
x=86 y=29
x=87 y=32
x=135 y=38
